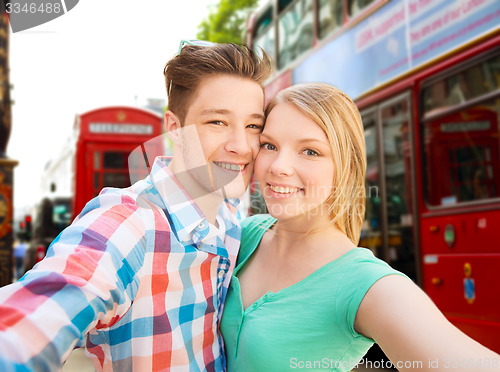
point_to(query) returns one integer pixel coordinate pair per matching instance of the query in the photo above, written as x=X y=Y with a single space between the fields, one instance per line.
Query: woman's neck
x=306 y=233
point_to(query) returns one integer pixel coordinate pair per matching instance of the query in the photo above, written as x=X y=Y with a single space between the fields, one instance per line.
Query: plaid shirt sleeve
x=87 y=280
x=140 y=274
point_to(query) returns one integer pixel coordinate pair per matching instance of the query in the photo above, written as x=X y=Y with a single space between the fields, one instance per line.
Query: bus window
x=371 y=236
x=462 y=146
x=295 y=31
x=52 y=215
x=115 y=169
x=97 y=160
x=257 y=202
x=471 y=83
x=356 y=6
x=263 y=36
x=61 y=215
x=395 y=118
x=115 y=180
x=112 y=172
x=282 y=4
x=97 y=183
x=462 y=155
x=115 y=159
x=331 y=16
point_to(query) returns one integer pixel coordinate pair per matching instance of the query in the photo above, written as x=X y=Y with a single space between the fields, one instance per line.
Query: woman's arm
x=414 y=334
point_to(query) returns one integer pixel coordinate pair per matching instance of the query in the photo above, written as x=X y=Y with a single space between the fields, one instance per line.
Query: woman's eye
x=267 y=146
x=310 y=152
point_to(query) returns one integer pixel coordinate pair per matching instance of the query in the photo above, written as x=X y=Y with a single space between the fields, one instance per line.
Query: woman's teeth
x=284 y=190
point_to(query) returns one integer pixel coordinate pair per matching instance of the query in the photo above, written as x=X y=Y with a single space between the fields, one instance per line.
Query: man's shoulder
x=135 y=199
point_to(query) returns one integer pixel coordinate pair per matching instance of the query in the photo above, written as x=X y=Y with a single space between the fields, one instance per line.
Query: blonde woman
x=303 y=295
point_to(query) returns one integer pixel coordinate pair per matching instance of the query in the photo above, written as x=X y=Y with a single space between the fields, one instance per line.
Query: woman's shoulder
x=253 y=229
x=363 y=263
x=357 y=270
x=362 y=270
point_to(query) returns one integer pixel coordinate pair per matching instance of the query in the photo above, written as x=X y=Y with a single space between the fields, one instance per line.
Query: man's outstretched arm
x=87 y=281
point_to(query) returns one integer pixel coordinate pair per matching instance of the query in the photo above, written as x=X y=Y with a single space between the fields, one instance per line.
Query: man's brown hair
x=184 y=72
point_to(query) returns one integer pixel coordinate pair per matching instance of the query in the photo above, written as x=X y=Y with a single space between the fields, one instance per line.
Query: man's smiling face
x=221 y=130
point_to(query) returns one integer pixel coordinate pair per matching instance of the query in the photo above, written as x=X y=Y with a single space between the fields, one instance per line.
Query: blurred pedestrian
x=19 y=252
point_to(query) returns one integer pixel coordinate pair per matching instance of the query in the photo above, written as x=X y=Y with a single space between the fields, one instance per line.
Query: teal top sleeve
x=307 y=325
x=363 y=271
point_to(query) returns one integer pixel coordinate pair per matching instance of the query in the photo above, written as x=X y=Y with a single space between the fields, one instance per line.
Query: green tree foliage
x=226 y=20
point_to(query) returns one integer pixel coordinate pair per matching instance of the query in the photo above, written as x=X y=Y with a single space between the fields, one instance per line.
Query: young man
x=141 y=275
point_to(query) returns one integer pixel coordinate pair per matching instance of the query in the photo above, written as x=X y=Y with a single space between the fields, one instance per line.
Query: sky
x=98 y=54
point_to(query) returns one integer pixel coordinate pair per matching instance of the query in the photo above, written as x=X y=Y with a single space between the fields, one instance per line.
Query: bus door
x=460 y=212
x=389 y=229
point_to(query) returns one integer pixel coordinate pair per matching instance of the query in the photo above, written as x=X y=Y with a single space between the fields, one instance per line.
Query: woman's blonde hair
x=339 y=118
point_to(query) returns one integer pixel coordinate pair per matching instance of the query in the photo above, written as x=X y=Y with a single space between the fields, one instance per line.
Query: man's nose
x=240 y=142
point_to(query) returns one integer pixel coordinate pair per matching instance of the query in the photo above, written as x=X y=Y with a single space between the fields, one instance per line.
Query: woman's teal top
x=309 y=325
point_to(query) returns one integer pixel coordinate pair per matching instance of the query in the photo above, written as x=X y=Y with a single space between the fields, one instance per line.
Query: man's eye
x=267 y=146
x=217 y=122
x=255 y=126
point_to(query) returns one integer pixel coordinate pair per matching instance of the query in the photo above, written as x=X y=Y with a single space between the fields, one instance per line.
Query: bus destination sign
x=112 y=128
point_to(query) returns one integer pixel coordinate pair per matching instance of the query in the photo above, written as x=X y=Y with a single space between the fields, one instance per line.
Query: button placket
x=199 y=233
x=247 y=312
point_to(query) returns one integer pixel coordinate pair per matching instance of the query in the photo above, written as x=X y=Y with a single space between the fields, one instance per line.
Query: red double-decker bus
x=425 y=75
x=99 y=154
x=105 y=139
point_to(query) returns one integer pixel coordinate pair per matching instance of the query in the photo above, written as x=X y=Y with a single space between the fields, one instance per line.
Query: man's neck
x=208 y=202
x=210 y=208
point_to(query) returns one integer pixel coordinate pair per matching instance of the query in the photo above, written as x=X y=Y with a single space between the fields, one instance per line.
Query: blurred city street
x=78 y=362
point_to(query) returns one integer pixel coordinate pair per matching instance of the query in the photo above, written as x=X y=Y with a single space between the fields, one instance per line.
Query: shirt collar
x=185 y=214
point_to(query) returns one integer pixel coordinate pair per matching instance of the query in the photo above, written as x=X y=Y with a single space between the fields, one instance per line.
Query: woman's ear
x=172 y=126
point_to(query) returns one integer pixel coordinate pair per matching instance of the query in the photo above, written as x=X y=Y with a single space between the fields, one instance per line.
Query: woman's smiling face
x=294 y=166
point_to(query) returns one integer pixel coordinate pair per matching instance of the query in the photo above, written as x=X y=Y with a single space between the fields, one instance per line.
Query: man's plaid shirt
x=140 y=278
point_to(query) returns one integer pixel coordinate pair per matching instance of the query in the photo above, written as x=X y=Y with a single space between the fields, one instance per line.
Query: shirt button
x=201 y=225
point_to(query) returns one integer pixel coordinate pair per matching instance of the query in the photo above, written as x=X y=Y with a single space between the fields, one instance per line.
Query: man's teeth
x=284 y=190
x=230 y=166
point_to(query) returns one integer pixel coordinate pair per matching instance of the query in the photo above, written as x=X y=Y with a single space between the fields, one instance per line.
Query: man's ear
x=172 y=126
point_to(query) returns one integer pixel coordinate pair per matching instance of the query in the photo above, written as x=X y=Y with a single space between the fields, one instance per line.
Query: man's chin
x=233 y=190
x=230 y=193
